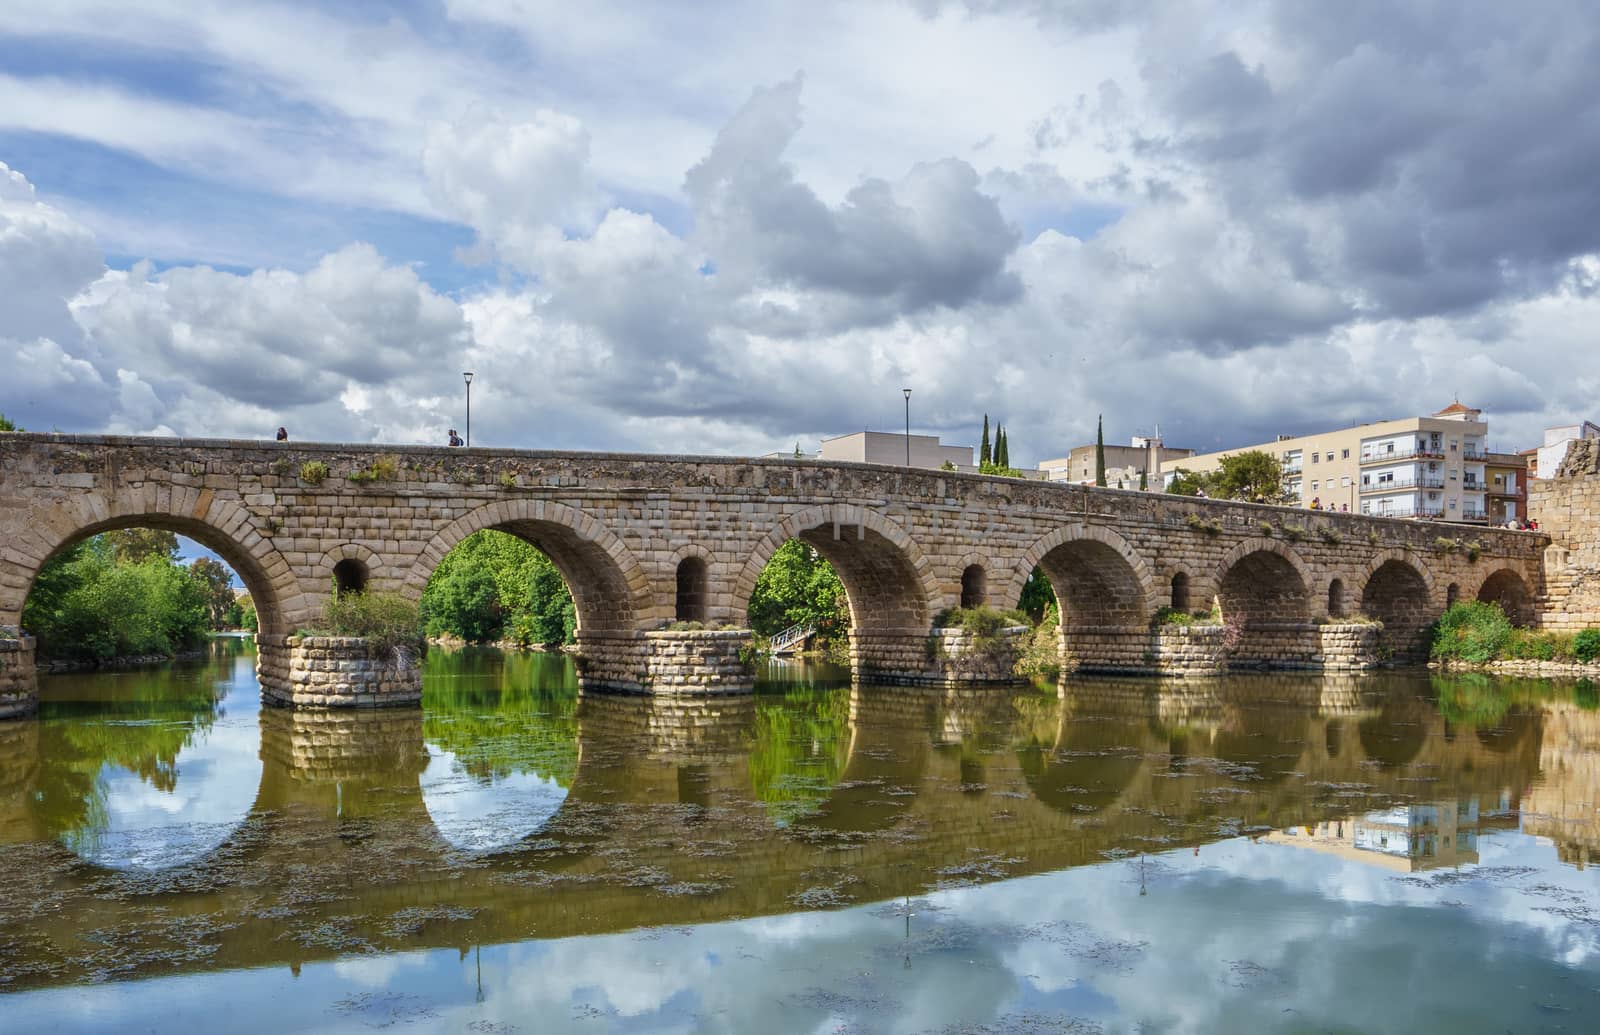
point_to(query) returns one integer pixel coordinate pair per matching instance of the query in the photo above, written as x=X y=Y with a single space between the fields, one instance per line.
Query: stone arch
x=889 y=582
x=1337 y=603
x=1182 y=592
x=371 y=564
x=691 y=592
x=1100 y=557
x=974 y=586
x=1506 y=587
x=1104 y=592
x=1399 y=594
x=222 y=526
x=610 y=591
x=1264 y=593
x=1404 y=556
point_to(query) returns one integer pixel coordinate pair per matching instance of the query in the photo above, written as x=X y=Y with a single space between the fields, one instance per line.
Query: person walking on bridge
x=283 y=434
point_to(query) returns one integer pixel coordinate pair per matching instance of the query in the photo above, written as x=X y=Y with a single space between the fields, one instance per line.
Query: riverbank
x=53 y=665
x=1522 y=667
x=457 y=643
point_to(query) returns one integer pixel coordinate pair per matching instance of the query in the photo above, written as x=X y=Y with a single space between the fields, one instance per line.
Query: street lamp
x=907 y=391
x=467 y=374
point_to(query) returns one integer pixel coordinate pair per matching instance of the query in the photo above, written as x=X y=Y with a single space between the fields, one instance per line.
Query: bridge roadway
x=645 y=542
x=662 y=824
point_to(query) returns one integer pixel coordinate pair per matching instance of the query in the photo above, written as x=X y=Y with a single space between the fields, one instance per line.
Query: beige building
x=1416 y=467
x=1405 y=839
x=1124 y=464
x=888 y=447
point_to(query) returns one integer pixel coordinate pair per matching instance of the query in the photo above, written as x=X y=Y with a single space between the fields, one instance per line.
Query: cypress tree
x=1144 y=482
x=1100 y=452
x=984 y=455
x=1002 y=449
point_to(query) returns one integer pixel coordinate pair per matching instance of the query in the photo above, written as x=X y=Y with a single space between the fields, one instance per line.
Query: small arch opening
x=691 y=599
x=350 y=576
x=1180 y=592
x=974 y=586
x=1336 y=598
x=1452 y=594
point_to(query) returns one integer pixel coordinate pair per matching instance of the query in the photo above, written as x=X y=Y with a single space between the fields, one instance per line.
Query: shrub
x=389 y=623
x=1267 y=528
x=1173 y=616
x=1200 y=524
x=313 y=472
x=1039 y=649
x=1330 y=537
x=1471 y=631
x=508 y=480
x=1586 y=645
x=1444 y=545
x=383 y=468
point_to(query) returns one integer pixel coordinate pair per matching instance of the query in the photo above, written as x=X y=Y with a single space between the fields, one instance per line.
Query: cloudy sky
x=728 y=227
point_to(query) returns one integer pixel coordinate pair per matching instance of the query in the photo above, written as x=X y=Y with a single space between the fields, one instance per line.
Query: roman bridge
x=649 y=543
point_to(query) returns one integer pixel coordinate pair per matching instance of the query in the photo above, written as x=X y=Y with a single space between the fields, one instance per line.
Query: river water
x=1258 y=854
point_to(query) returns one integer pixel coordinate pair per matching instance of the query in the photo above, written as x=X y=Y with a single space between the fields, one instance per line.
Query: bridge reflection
x=555 y=814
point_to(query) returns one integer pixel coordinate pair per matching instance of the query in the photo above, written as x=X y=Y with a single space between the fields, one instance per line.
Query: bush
x=1173 y=616
x=1471 y=631
x=1586 y=645
x=383 y=468
x=389 y=623
x=313 y=472
x=1039 y=650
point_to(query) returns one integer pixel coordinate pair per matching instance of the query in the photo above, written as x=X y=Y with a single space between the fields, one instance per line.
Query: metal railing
x=1414 y=452
x=1425 y=482
x=792 y=638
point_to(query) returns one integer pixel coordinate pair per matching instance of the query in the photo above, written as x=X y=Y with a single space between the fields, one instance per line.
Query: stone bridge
x=647 y=542
x=662 y=824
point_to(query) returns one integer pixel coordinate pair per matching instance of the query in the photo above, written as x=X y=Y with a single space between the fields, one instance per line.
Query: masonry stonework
x=619 y=527
x=18 y=679
x=334 y=672
x=1567 y=508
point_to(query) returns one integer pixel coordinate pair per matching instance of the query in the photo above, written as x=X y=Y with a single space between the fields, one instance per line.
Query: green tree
x=1144 y=481
x=1100 y=451
x=6 y=425
x=133 y=545
x=1002 y=449
x=1255 y=476
x=984 y=455
x=86 y=605
x=1186 y=483
x=464 y=602
x=1037 y=594
x=494 y=585
x=216 y=583
x=797 y=586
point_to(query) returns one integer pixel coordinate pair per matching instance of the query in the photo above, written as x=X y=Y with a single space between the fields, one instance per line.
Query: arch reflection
x=149 y=769
x=501 y=736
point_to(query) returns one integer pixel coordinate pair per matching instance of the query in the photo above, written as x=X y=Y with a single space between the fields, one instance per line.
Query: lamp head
x=467 y=374
x=907 y=391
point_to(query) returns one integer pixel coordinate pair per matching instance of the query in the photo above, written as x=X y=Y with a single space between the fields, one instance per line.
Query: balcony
x=1408 y=512
x=1412 y=453
x=1404 y=484
x=1474 y=515
x=1475 y=455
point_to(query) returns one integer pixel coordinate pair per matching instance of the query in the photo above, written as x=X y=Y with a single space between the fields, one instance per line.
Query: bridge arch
x=224 y=527
x=890 y=584
x=1261 y=580
x=1399 y=592
x=610 y=591
x=352 y=566
x=1099 y=578
x=1506 y=587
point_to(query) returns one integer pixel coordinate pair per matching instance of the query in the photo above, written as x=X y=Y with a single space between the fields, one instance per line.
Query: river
x=1399 y=852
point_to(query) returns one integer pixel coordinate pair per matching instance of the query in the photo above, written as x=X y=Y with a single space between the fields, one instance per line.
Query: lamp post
x=467 y=375
x=907 y=392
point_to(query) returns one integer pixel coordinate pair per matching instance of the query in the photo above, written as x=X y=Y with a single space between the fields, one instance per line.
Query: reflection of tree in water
x=503 y=715
x=800 y=747
x=139 y=721
x=1484 y=702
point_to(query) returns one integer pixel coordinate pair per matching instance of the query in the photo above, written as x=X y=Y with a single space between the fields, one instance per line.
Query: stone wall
x=19 y=681
x=1567 y=508
x=335 y=672
x=620 y=527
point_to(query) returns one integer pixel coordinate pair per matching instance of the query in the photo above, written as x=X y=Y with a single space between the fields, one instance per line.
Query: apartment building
x=1557 y=441
x=1418 y=467
x=1508 y=487
x=1124 y=464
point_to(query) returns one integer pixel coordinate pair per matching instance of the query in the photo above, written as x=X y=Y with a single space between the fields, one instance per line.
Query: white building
x=888 y=447
x=1556 y=443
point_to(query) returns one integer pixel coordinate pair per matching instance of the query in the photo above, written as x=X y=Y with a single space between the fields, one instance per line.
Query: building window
x=1345 y=482
x=1313 y=485
x=1315 y=457
x=1452 y=504
x=1385 y=477
x=1346 y=454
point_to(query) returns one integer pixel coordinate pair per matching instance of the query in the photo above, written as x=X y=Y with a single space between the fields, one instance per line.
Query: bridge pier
x=941 y=657
x=333 y=672
x=19 y=678
x=666 y=661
